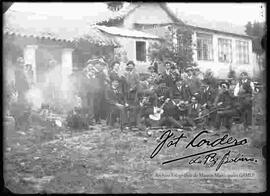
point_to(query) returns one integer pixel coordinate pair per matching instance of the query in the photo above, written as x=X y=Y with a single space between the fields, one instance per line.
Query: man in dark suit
x=99 y=98
x=224 y=101
x=193 y=110
x=181 y=91
x=207 y=97
x=194 y=82
x=132 y=81
x=167 y=78
x=115 y=101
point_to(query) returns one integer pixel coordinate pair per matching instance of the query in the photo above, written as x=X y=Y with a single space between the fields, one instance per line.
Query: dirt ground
x=44 y=159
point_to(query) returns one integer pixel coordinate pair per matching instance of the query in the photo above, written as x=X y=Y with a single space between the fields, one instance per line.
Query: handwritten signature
x=211 y=158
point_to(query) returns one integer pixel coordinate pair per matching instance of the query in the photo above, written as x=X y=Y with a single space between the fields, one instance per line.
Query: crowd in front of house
x=173 y=98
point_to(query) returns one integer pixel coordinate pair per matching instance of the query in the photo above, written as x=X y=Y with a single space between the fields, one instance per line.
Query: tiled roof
x=116 y=31
x=201 y=22
x=192 y=20
x=110 y=15
x=53 y=27
x=121 y=14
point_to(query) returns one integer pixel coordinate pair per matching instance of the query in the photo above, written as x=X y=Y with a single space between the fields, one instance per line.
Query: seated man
x=150 y=86
x=207 y=97
x=183 y=108
x=194 y=110
x=147 y=104
x=116 y=103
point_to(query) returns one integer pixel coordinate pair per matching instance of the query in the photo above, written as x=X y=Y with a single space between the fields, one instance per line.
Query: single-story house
x=218 y=49
x=40 y=38
x=133 y=45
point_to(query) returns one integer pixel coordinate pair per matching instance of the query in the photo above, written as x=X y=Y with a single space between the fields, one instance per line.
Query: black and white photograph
x=134 y=97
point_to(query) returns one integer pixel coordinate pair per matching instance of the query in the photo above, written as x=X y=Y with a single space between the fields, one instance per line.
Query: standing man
x=224 y=101
x=182 y=91
x=151 y=88
x=244 y=91
x=99 y=98
x=132 y=80
x=29 y=74
x=166 y=77
x=193 y=82
x=21 y=82
x=114 y=71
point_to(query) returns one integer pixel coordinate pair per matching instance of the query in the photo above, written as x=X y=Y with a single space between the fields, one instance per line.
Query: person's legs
x=97 y=106
x=190 y=121
x=249 y=115
x=90 y=108
x=175 y=122
x=218 y=121
x=227 y=121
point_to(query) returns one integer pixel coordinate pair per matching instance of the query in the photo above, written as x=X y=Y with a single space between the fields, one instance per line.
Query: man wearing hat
x=99 y=100
x=175 y=73
x=166 y=77
x=193 y=82
x=244 y=91
x=207 y=97
x=224 y=103
x=115 y=101
x=131 y=83
x=153 y=78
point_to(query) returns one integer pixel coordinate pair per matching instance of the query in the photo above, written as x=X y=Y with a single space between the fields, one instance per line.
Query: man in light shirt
x=244 y=91
x=245 y=85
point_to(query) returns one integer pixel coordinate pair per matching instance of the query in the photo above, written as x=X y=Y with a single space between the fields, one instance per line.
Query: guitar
x=219 y=108
x=158 y=111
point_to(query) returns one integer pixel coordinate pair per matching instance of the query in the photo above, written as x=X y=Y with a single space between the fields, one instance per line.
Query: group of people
x=172 y=98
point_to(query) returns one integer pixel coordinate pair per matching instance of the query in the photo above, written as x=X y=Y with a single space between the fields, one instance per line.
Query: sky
x=235 y=13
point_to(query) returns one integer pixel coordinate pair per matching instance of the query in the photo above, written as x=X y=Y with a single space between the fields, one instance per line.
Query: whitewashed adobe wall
x=221 y=69
x=148 y=13
x=128 y=45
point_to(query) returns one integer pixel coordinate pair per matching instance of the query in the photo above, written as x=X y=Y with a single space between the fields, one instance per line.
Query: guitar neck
x=163 y=104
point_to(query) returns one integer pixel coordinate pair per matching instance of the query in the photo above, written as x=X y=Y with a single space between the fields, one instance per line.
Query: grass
x=47 y=159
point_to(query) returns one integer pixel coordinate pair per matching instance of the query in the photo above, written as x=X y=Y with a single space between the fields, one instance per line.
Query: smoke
x=57 y=91
x=9 y=75
x=34 y=96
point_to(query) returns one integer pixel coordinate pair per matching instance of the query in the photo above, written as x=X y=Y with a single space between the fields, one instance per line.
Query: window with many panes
x=242 y=52
x=224 y=50
x=204 y=46
x=140 y=51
